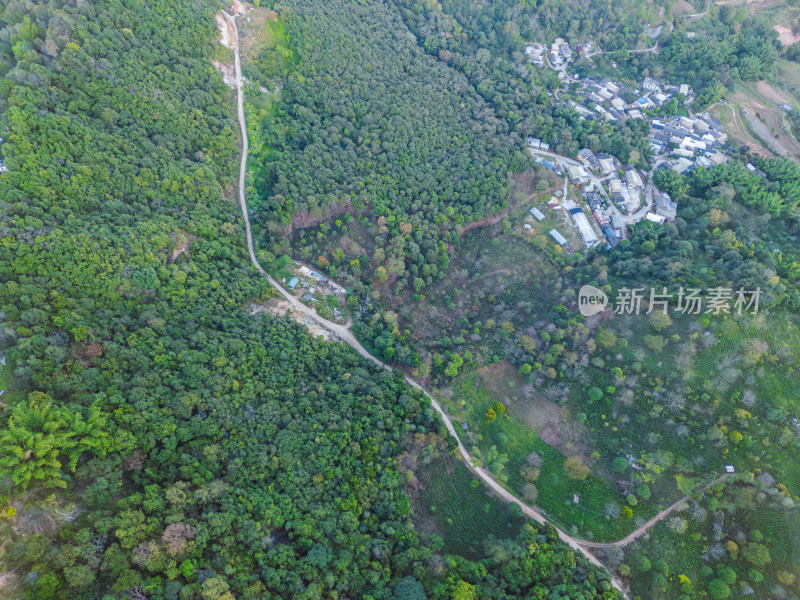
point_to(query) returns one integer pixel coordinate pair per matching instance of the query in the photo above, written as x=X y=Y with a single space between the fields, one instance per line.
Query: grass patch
x=587 y=518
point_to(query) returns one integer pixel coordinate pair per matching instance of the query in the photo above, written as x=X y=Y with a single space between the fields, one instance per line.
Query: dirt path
x=653 y=49
x=660 y=516
x=763 y=132
x=498 y=216
x=746 y=138
x=346 y=336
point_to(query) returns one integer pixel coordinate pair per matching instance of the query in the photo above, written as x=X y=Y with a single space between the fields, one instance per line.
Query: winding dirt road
x=344 y=334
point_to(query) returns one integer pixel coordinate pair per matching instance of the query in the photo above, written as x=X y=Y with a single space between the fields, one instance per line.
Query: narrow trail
x=663 y=514
x=344 y=334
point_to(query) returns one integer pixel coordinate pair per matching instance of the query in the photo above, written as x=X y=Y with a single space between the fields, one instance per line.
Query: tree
x=79 y=576
x=642 y=563
x=452 y=367
x=575 y=469
x=36 y=442
x=643 y=491
x=464 y=591
x=756 y=554
x=718 y=589
x=727 y=575
x=409 y=589
x=685 y=484
x=494 y=461
x=216 y=588
x=530 y=493
x=528 y=343
x=605 y=337
x=620 y=464
x=176 y=536
x=659 y=320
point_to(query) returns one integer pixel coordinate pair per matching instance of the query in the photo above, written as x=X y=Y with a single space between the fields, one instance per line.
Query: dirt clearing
x=771 y=93
x=225 y=34
x=786 y=36
x=281 y=308
x=522 y=400
x=763 y=120
x=227 y=73
x=258 y=33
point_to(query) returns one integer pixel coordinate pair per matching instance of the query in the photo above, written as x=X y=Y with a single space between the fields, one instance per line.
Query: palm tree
x=35 y=442
x=494 y=462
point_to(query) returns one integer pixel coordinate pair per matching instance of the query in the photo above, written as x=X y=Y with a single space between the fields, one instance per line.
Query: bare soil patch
x=522 y=400
x=281 y=308
x=182 y=244
x=786 y=36
x=226 y=34
x=767 y=121
x=683 y=8
x=755 y=6
x=771 y=93
x=727 y=115
x=227 y=73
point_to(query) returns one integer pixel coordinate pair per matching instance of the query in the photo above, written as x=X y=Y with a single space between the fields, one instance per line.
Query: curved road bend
x=345 y=335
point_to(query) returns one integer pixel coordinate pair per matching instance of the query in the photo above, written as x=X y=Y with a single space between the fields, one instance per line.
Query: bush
x=642 y=563
x=719 y=589
x=575 y=469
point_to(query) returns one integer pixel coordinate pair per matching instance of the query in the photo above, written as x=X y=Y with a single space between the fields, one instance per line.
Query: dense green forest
x=666 y=404
x=486 y=44
x=369 y=125
x=156 y=440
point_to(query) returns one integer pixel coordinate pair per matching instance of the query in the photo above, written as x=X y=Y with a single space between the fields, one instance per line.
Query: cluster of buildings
x=538 y=144
x=664 y=209
x=559 y=53
x=607 y=99
x=609 y=221
x=623 y=183
x=685 y=143
x=614 y=191
x=535 y=54
x=313 y=286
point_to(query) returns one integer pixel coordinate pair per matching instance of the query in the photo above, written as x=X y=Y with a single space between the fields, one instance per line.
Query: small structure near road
x=578 y=174
x=293 y=283
x=655 y=218
x=537 y=214
x=560 y=239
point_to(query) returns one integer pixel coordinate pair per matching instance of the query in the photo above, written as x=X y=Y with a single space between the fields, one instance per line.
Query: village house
x=666 y=207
